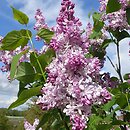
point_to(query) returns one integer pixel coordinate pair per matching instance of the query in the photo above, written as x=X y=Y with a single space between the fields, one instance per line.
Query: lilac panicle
x=115 y=20
x=40 y=20
x=70 y=84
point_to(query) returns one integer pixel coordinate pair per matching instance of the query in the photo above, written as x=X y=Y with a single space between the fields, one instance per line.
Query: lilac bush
x=66 y=74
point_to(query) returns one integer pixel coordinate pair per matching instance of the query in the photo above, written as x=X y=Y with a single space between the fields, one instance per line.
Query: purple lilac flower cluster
x=116 y=20
x=71 y=84
x=67 y=31
x=40 y=22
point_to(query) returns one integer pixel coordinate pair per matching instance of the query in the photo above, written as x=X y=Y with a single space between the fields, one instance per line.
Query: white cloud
x=6 y=100
x=8 y=91
x=6 y=87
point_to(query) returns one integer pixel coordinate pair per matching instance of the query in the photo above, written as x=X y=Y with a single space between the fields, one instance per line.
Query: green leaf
x=21 y=88
x=44 y=59
x=96 y=16
x=47 y=117
x=115 y=91
x=117 y=128
x=57 y=124
x=106 y=43
x=98 y=25
x=113 y=6
x=123 y=34
x=34 y=61
x=115 y=79
x=124 y=86
x=26 y=34
x=127 y=116
x=95 y=35
x=97 y=53
x=126 y=76
x=107 y=106
x=88 y=55
x=93 y=121
x=14 y=63
x=103 y=127
x=128 y=14
x=20 y=16
x=15 y=39
x=118 y=122
x=119 y=35
x=45 y=34
x=89 y=14
x=121 y=100
x=109 y=117
x=25 y=95
x=25 y=73
x=44 y=119
x=49 y=54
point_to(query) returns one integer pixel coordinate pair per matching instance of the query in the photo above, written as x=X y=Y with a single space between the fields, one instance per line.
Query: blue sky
x=50 y=8
x=6 y=18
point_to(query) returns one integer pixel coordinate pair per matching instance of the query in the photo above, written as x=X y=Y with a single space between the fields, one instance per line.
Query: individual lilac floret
x=28 y=126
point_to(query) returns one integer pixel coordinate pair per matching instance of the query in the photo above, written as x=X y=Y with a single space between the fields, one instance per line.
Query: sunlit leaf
x=98 y=25
x=45 y=34
x=113 y=6
x=106 y=43
x=25 y=73
x=43 y=59
x=15 y=39
x=109 y=105
x=20 y=16
x=14 y=63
